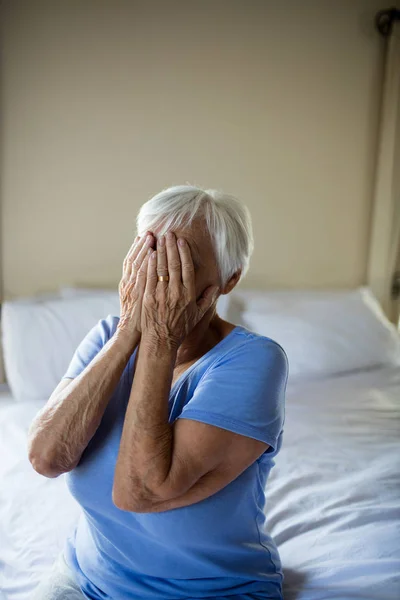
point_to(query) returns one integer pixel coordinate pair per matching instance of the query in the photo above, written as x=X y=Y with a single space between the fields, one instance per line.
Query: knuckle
x=174 y=264
x=148 y=298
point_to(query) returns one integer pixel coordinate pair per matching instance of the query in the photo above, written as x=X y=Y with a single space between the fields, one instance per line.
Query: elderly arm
x=63 y=428
x=162 y=466
x=145 y=451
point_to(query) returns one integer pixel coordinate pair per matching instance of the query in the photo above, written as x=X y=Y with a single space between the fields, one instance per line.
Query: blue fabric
x=216 y=548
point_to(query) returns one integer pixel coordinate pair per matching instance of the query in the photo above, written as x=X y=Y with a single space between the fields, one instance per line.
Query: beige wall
x=106 y=102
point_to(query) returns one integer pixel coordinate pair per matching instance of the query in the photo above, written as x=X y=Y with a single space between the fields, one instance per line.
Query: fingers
x=162 y=267
x=137 y=262
x=174 y=261
x=142 y=275
x=127 y=265
x=137 y=254
x=137 y=245
x=152 y=277
x=187 y=267
x=207 y=299
x=138 y=241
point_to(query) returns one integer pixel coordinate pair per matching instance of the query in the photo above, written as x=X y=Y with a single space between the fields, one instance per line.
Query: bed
x=333 y=497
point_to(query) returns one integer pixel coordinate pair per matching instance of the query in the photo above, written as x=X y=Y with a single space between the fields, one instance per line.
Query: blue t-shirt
x=215 y=548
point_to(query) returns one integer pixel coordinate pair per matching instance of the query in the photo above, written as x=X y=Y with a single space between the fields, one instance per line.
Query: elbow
x=44 y=467
x=45 y=463
x=123 y=501
x=126 y=500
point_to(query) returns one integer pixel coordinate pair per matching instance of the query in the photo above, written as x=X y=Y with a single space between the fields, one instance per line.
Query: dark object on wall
x=384 y=20
x=396 y=285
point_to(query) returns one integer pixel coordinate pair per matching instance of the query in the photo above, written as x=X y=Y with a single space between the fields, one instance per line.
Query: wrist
x=127 y=338
x=159 y=344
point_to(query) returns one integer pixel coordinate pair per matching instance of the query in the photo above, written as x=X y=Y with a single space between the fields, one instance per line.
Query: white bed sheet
x=333 y=498
x=36 y=514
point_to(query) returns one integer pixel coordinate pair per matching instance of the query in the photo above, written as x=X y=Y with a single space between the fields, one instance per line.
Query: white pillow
x=324 y=333
x=69 y=292
x=66 y=291
x=40 y=337
x=41 y=334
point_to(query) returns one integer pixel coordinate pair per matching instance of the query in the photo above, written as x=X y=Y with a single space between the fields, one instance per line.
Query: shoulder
x=246 y=343
x=105 y=328
x=249 y=350
x=249 y=372
x=91 y=344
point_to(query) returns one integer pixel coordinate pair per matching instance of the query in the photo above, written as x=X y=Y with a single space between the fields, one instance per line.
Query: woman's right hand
x=132 y=285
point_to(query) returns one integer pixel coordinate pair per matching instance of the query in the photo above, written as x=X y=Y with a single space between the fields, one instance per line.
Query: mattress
x=333 y=497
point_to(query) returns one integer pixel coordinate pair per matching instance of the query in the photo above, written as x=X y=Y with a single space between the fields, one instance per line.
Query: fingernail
x=161 y=240
x=170 y=235
x=154 y=255
x=148 y=239
x=181 y=242
x=150 y=250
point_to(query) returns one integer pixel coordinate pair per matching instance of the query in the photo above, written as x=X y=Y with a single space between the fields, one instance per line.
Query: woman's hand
x=132 y=285
x=170 y=309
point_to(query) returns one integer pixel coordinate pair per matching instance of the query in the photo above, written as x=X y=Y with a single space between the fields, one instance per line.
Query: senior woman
x=167 y=422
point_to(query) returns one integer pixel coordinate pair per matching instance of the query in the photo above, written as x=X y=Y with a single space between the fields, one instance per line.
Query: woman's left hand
x=170 y=308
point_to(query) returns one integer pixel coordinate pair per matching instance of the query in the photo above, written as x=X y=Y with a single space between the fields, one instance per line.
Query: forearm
x=63 y=428
x=145 y=453
x=208 y=484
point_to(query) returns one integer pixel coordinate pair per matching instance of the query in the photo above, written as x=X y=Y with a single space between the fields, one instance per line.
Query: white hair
x=227 y=219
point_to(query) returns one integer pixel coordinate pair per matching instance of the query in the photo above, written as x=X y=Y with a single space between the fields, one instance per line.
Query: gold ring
x=163 y=278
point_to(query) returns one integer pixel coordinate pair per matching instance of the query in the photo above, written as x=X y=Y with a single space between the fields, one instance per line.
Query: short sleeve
x=91 y=345
x=244 y=392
